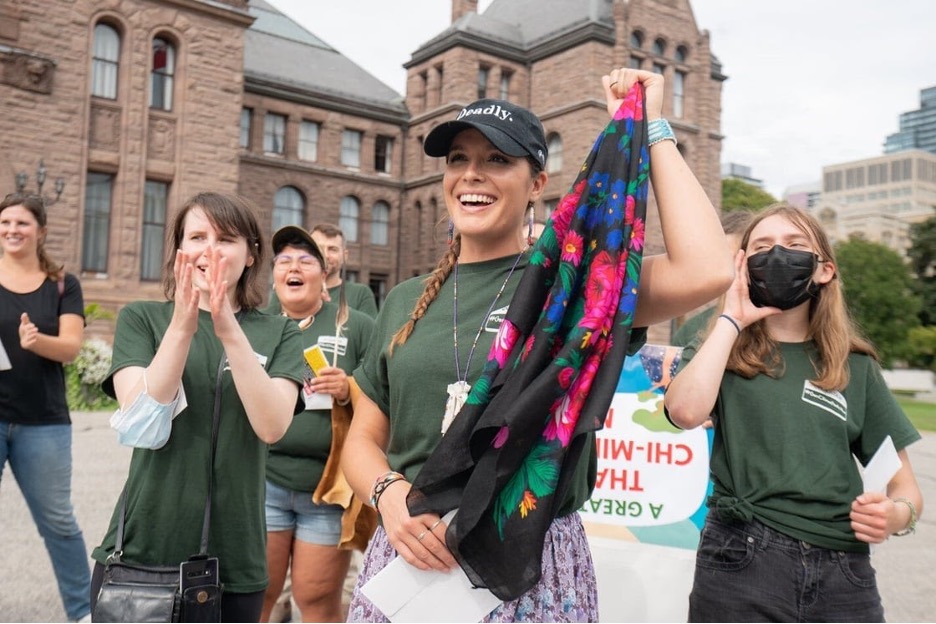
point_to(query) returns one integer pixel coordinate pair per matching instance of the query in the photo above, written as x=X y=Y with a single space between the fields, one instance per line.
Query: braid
x=430 y=292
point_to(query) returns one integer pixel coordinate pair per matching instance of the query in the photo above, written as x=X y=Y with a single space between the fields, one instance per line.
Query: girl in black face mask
x=793 y=392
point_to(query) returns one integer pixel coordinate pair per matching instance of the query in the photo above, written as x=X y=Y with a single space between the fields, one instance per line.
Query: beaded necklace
x=458 y=391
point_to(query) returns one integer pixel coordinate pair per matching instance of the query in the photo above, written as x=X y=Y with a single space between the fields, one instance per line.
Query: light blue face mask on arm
x=147 y=423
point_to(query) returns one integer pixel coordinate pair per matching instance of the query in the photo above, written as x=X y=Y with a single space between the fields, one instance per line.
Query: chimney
x=463 y=7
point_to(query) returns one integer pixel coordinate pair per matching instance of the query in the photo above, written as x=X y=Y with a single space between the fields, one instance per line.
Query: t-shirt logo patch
x=831 y=401
x=495 y=319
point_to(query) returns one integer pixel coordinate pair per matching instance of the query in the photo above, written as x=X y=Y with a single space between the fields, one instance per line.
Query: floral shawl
x=508 y=458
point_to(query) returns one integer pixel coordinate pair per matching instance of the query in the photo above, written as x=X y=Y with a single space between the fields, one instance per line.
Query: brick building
x=137 y=104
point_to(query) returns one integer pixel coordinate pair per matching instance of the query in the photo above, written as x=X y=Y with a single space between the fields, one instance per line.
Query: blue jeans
x=41 y=459
x=748 y=572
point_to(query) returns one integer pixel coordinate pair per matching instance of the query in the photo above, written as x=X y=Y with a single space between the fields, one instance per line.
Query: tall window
x=383 y=153
x=96 y=235
x=155 y=198
x=351 y=148
x=484 y=73
x=380 y=224
x=636 y=39
x=679 y=93
x=554 y=161
x=682 y=52
x=659 y=47
x=308 y=140
x=659 y=68
x=378 y=285
x=163 y=71
x=274 y=134
x=246 y=116
x=634 y=62
x=105 y=62
x=504 y=93
x=348 y=220
x=288 y=207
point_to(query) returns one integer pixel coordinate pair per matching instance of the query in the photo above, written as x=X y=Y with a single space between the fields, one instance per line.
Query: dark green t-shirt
x=166 y=488
x=410 y=386
x=690 y=330
x=297 y=461
x=784 y=446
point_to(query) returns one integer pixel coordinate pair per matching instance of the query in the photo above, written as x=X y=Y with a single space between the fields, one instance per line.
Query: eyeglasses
x=285 y=261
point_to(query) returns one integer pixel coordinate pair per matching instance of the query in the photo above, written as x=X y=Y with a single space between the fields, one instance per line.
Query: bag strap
x=206 y=523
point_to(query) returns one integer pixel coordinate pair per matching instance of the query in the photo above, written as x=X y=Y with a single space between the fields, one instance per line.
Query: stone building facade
x=175 y=96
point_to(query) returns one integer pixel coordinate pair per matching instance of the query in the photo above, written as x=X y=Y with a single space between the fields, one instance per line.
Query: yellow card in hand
x=316 y=358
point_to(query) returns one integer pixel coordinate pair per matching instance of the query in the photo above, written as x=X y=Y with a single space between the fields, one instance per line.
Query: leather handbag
x=189 y=592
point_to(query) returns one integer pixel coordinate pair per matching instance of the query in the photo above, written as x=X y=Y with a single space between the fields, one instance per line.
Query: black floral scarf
x=508 y=459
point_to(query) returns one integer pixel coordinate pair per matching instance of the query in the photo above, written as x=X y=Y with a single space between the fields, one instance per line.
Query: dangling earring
x=531 y=212
x=451 y=232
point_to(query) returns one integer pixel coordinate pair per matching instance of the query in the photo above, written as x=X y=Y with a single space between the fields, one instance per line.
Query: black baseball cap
x=510 y=128
x=295 y=236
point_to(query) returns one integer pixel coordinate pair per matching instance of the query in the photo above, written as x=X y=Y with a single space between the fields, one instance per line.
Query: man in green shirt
x=331 y=241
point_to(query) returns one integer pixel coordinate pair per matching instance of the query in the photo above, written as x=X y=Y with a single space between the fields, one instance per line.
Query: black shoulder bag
x=189 y=592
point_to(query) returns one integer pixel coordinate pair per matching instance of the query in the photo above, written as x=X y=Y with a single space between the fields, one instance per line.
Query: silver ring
x=422 y=535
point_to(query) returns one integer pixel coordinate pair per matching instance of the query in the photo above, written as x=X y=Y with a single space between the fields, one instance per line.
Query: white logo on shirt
x=831 y=401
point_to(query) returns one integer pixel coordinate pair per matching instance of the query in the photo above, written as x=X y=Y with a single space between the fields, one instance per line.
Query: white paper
x=318 y=400
x=881 y=468
x=4 y=359
x=406 y=594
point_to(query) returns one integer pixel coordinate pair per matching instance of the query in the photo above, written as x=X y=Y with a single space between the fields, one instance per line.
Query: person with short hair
x=331 y=241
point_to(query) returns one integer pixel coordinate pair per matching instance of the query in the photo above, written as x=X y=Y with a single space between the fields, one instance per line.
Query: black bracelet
x=732 y=321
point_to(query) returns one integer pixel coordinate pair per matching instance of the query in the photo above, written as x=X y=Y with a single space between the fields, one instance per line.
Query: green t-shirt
x=166 y=488
x=784 y=446
x=689 y=331
x=410 y=386
x=297 y=461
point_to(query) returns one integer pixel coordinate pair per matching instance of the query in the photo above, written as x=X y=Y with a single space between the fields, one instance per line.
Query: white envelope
x=407 y=594
x=4 y=359
x=881 y=468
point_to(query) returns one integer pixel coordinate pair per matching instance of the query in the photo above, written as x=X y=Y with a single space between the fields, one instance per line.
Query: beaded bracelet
x=660 y=130
x=381 y=484
x=911 y=527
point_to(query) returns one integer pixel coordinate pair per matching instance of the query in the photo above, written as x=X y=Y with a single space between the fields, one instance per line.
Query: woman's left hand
x=619 y=81
x=222 y=314
x=28 y=332
x=334 y=381
x=869 y=514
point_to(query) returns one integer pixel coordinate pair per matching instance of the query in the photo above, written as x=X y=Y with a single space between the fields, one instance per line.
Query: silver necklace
x=458 y=391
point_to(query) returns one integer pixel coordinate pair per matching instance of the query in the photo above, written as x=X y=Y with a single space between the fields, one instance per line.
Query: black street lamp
x=22 y=179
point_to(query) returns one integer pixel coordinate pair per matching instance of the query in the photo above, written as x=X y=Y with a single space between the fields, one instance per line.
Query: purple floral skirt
x=566 y=592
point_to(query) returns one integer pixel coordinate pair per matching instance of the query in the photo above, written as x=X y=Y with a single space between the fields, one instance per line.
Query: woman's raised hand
x=619 y=81
x=219 y=300
x=185 y=314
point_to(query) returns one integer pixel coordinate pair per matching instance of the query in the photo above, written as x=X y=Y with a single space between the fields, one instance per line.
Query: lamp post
x=22 y=179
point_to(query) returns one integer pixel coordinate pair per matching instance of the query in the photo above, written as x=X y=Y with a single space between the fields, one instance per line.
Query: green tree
x=923 y=343
x=738 y=195
x=879 y=290
x=922 y=254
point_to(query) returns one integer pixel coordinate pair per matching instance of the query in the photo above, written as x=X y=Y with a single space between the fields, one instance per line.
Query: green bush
x=83 y=378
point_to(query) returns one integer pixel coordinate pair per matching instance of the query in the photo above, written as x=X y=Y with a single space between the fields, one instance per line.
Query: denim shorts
x=288 y=510
x=748 y=572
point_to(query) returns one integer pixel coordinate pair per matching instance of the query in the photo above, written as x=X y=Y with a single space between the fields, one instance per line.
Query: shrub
x=83 y=377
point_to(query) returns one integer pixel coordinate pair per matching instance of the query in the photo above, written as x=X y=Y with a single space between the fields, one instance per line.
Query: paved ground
x=27 y=587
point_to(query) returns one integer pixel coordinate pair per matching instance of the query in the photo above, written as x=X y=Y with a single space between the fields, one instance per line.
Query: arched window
x=659 y=47
x=554 y=145
x=163 y=72
x=636 y=39
x=350 y=211
x=105 y=61
x=288 y=207
x=380 y=224
x=682 y=53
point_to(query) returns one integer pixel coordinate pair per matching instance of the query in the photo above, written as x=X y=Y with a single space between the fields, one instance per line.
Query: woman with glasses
x=303 y=531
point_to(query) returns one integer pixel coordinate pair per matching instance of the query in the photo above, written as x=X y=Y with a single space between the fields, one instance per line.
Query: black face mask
x=781 y=278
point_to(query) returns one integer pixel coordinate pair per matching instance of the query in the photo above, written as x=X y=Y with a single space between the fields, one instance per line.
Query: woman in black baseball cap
x=408 y=453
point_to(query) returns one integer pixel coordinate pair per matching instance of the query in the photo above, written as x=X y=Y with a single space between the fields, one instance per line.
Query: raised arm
x=697 y=264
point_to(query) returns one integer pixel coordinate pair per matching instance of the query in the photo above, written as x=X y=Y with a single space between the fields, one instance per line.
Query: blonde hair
x=433 y=285
x=831 y=326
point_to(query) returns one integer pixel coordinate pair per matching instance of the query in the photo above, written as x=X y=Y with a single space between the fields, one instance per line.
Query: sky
x=810 y=83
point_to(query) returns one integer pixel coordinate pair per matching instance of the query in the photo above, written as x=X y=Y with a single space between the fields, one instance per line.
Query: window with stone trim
x=383 y=153
x=163 y=72
x=659 y=68
x=351 y=148
x=95 y=242
x=682 y=53
x=659 y=47
x=636 y=39
x=378 y=285
x=679 y=93
x=288 y=207
x=153 y=236
x=308 y=140
x=105 y=61
x=484 y=75
x=380 y=224
x=245 y=125
x=349 y=213
x=505 y=77
x=635 y=62
x=274 y=134
x=554 y=146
